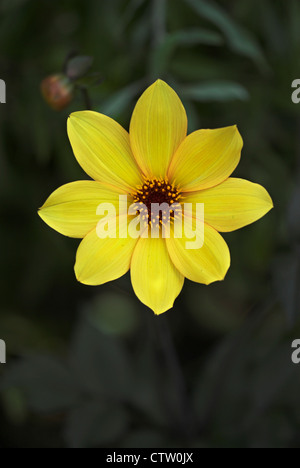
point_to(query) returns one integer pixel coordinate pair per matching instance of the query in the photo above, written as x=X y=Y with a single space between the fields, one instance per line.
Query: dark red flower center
x=153 y=192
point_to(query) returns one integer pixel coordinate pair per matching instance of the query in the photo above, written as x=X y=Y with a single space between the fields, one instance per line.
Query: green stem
x=86 y=98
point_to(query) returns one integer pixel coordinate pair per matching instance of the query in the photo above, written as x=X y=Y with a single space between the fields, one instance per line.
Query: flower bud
x=57 y=91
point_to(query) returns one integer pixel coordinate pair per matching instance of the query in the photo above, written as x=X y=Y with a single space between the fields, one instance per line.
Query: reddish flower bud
x=57 y=91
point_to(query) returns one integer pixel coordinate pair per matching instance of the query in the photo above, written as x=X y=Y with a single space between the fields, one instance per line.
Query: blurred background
x=92 y=367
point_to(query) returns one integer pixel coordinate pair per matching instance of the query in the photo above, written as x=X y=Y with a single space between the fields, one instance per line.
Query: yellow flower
x=155 y=161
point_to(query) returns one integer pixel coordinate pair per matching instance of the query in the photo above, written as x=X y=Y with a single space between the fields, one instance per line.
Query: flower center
x=156 y=192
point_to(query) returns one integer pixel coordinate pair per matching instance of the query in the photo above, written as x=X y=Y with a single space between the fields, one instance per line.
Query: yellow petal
x=101 y=260
x=155 y=280
x=206 y=158
x=158 y=126
x=101 y=146
x=203 y=265
x=231 y=205
x=72 y=209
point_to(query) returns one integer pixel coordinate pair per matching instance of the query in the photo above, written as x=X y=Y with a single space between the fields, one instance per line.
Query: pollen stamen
x=156 y=191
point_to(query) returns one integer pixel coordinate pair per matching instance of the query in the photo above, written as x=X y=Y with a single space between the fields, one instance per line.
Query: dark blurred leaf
x=274 y=32
x=47 y=383
x=239 y=40
x=114 y=314
x=192 y=37
x=245 y=380
x=100 y=362
x=286 y=281
x=294 y=18
x=95 y=424
x=220 y=91
x=120 y=101
x=131 y=11
x=271 y=377
x=140 y=33
x=78 y=66
x=270 y=396
x=293 y=215
x=93 y=79
x=163 y=52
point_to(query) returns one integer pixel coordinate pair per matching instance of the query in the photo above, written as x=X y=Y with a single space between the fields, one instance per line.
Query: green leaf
x=293 y=29
x=78 y=66
x=47 y=384
x=163 y=52
x=139 y=34
x=275 y=34
x=220 y=91
x=239 y=40
x=194 y=36
x=221 y=395
x=94 y=425
x=120 y=101
x=273 y=375
x=93 y=79
x=130 y=12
